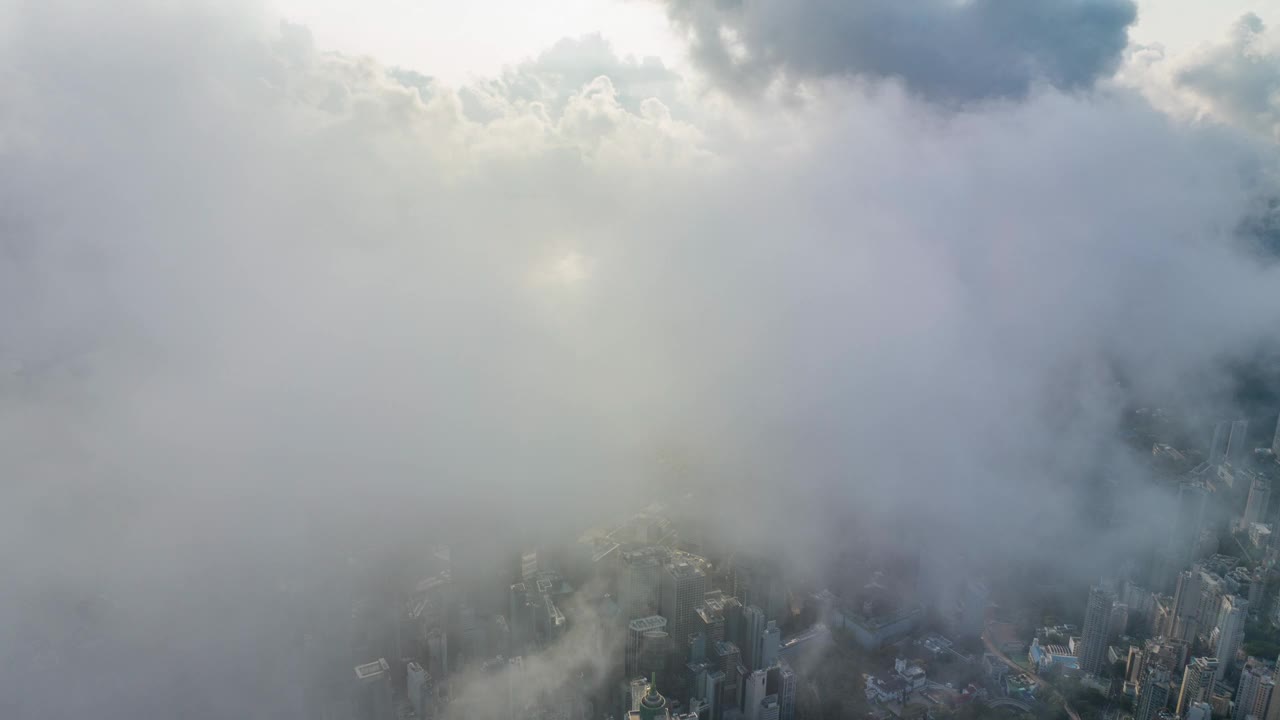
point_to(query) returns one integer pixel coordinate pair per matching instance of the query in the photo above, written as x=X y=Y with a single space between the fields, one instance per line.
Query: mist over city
x=653 y=359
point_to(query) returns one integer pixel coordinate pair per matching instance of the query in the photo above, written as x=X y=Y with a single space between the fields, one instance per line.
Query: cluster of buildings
x=906 y=679
x=698 y=639
x=1193 y=665
x=707 y=636
x=718 y=654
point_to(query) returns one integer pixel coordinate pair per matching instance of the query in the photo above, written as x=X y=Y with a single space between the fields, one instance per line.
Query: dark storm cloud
x=946 y=50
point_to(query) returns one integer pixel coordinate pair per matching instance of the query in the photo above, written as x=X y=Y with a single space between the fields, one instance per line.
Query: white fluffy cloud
x=1235 y=80
x=262 y=303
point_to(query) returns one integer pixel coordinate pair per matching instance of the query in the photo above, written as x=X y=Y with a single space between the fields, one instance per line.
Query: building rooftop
x=653 y=622
x=372 y=669
x=709 y=614
x=684 y=569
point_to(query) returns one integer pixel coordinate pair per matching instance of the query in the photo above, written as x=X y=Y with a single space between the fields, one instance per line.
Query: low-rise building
x=1047 y=658
x=1020 y=686
x=873 y=632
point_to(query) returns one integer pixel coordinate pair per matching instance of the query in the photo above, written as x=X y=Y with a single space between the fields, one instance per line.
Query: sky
x=275 y=295
x=461 y=41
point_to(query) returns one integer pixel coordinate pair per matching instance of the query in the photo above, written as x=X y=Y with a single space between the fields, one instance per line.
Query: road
x=1040 y=683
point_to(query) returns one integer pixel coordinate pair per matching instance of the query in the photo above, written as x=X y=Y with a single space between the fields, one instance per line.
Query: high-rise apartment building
x=1184 y=612
x=1197 y=599
x=1230 y=630
x=1197 y=683
x=1212 y=590
x=1153 y=693
x=1097 y=621
x=1256 y=691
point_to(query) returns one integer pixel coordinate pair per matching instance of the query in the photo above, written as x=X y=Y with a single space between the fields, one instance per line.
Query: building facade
x=1097 y=622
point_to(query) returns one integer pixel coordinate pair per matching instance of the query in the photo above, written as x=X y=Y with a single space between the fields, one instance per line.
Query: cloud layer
x=264 y=307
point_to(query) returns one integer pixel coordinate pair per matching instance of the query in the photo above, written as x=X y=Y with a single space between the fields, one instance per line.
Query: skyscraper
x=752 y=628
x=787 y=685
x=770 y=642
x=638 y=583
x=1184 y=615
x=520 y=617
x=1238 y=443
x=1230 y=630
x=1275 y=441
x=1255 y=510
x=1197 y=682
x=1097 y=620
x=1255 y=692
x=727 y=659
x=655 y=651
x=715 y=693
x=683 y=585
x=1184 y=531
x=710 y=622
x=754 y=694
x=1212 y=591
x=635 y=642
x=1218 y=445
x=757 y=581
